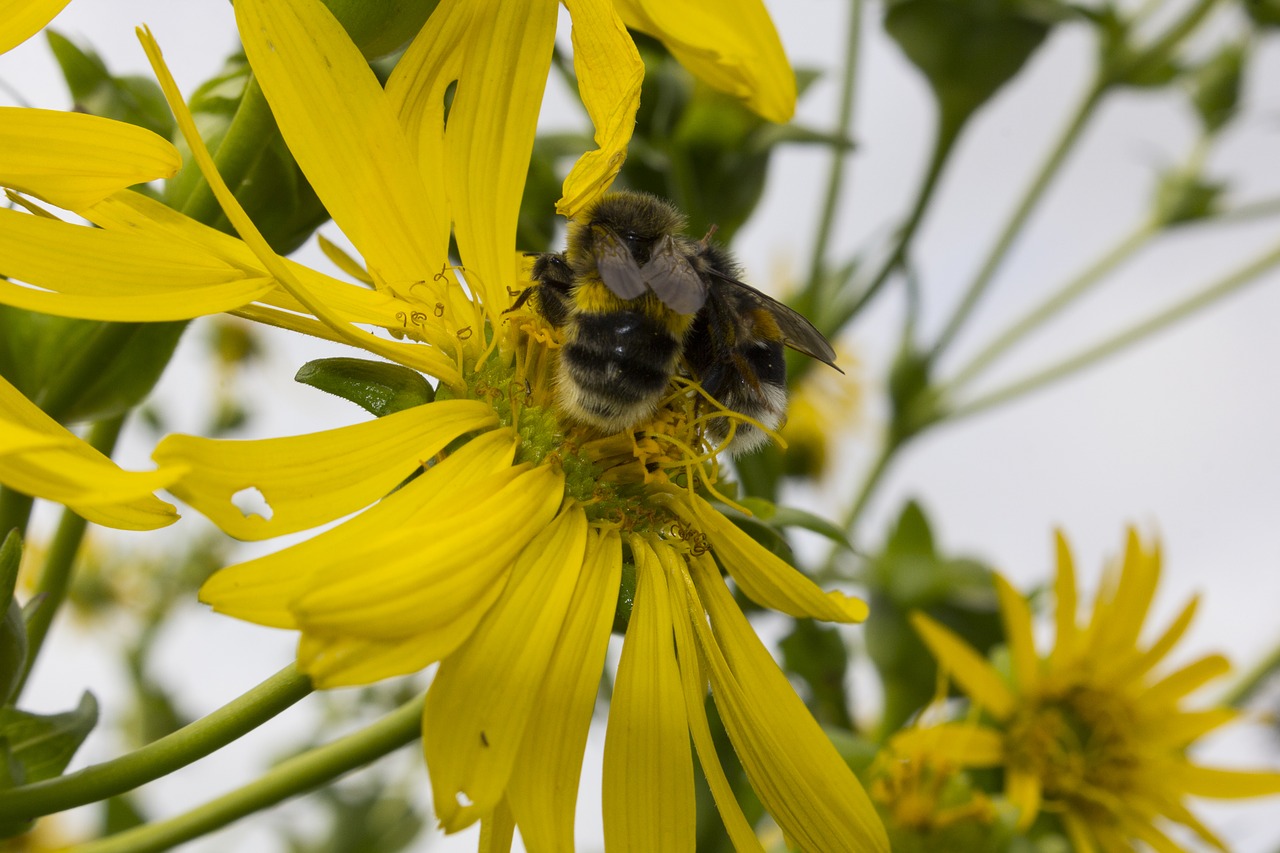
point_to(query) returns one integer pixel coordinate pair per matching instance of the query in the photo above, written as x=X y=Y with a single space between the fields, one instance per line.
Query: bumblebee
x=633 y=297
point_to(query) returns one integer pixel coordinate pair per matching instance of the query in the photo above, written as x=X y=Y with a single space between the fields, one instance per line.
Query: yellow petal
x=975 y=675
x=1222 y=784
x=497 y=831
x=1064 y=588
x=1016 y=617
x=648 y=766
x=418 y=579
x=73 y=160
x=609 y=72
x=1177 y=731
x=1127 y=610
x=42 y=459
x=417 y=88
x=263 y=590
x=1078 y=832
x=1130 y=667
x=21 y=19
x=308 y=480
x=343 y=132
x=473 y=723
x=489 y=136
x=731 y=45
x=1023 y=790
x=799 y=776
x=763 y=576
x=543 y=791
x=684 y=614
x=100 y=275
x=958 y=743
x=340 y=660
x=1158 y=841
x=1173 y=687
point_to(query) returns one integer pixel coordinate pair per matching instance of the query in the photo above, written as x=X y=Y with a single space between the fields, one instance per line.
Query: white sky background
x=1177 y=435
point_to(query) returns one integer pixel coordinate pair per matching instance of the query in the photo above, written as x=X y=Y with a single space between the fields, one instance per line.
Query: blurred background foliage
x=712 y=157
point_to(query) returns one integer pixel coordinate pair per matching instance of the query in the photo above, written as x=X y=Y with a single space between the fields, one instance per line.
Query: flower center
x=1082 y=744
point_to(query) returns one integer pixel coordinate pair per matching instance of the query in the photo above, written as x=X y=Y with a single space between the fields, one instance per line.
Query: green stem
x=844 y=124
x=948 y=132
x=1248 y=685
x=1048 y=169
x=1252 y=210
x=1125 y=339
x=15 y=511
x=1046 y=310
x=245 y=140
x=287 y=779
x=55 y=578
x=1163 y=46
x=157 y=759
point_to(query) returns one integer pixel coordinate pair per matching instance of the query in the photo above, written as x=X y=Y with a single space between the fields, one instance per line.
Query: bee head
x=552 y=270
x=636 y=219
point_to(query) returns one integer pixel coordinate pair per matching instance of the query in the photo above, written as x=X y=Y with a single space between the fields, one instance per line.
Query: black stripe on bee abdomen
x=625 y=356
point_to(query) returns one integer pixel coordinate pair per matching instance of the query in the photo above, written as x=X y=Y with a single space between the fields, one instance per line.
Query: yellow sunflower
x=1088 y=733
x=493 y=537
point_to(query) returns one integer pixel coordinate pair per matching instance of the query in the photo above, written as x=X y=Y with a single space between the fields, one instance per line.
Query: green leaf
x=43 y=745
x=1265 y=13
x=968 y=49
x=83 y=370
x=1215 y=87
x=378 y=387
x=133 y=99
x=13 y=628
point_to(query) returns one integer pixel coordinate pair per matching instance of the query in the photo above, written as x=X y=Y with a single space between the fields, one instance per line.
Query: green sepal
x=44 y=744
x=13 y=628
x=1183 y=197
x=379 y=27
x=914 y=400
x=626 y=598
x=968 y=49
x=1215 y=87
x=377 y=387
x=83 y=370
x=136 y=100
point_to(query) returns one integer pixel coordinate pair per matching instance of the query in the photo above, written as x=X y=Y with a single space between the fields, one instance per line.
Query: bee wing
x=797 y=332
x=618 y=270
x=674 y=279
